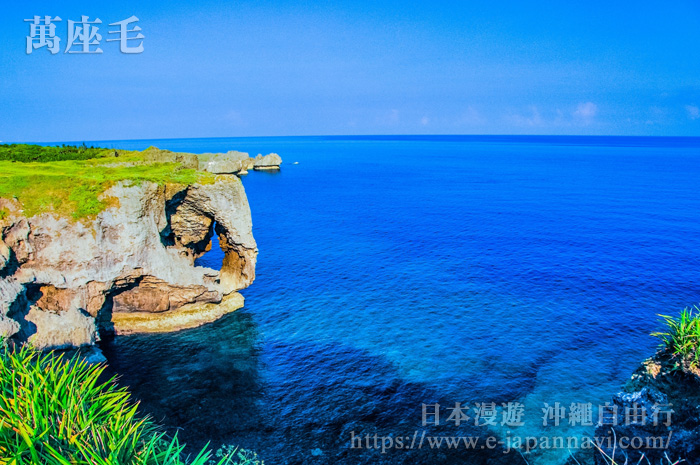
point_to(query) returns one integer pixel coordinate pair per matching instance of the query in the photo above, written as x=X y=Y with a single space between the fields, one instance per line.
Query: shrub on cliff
x=681 y=339
x=55 y=411
x=39 y=153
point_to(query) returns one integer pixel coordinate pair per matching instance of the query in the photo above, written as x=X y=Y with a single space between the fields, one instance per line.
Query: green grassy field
x=68 y=181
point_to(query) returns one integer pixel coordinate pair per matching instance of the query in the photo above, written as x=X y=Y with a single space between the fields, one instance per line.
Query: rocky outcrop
x=9 y=291
x=656 y=419
x=271 y=161
x=237 y=162
x=4 y=255
x=156 y=155
x=130 y=269
x=187 y=316
x=224 y=163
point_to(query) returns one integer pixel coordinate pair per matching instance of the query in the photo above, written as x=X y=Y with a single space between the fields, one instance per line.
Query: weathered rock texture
x=130 y=269
x=156 y=155
x=271 y=161
x=187 y=316
x=237 y=162
x=224 y=163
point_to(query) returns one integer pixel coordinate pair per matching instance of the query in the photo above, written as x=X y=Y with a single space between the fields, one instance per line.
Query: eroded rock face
x=224 y=163
x=4 y=255
x=60 y=330
x=155 y=295
x=270 y=161
x=188 y=316
x=233 y=228
x=237 y=162
x=61 y=282
x=10 y=289
x=156 y=155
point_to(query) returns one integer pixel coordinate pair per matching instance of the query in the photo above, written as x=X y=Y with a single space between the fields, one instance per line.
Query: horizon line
x=369 y=137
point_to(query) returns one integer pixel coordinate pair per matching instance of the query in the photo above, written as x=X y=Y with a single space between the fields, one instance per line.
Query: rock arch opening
x=210 y=224
x=214 y=257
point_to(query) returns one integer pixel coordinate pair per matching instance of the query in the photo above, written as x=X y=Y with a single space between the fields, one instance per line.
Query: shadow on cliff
x=167 y=237
x=103 y=320
x=11 y=266
x=39 y=303
x=20 y=308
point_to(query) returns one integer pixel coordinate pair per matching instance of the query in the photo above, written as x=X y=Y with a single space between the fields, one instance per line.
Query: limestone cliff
x=130 y=268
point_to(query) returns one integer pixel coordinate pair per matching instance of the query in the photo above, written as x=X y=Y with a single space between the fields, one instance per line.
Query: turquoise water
x=399 y=271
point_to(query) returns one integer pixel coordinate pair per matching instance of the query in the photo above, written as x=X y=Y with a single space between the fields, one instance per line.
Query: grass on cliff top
x=54 y=411
x=72 y=187
x=681 y=337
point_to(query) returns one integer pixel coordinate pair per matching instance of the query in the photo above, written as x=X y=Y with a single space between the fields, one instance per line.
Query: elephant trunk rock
x=130 y=269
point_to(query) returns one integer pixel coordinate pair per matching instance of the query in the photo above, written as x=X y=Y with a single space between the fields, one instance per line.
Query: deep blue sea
x=400 y=271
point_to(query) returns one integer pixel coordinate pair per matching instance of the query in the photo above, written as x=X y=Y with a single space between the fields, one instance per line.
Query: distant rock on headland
x=224 y=163
x=156 y=155
x=270 y=161
x=237 y=162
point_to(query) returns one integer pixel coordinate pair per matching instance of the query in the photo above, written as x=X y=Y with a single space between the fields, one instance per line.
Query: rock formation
x=656 y=418
x=271 y=161
x=156 y=155
x=237 y=162
x=224 y=163
x=131 y=268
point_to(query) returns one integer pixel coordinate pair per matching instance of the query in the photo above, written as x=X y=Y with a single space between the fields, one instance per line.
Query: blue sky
x=272 y=68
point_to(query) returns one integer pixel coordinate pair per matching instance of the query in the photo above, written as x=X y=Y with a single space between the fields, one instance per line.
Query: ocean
x=398 y=272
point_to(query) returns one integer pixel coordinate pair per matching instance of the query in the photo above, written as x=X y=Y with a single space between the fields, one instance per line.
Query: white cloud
x=585 y=112
x=424 y=121
x=693 y=111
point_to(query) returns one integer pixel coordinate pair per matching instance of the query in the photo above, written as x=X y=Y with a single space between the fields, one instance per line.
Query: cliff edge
x=128 y=264
x=655 y=418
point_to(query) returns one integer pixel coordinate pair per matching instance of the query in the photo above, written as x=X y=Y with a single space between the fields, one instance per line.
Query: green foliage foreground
x=54 y=411
x=681 y=338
